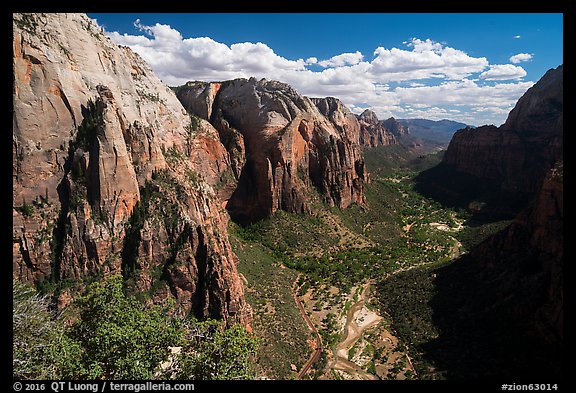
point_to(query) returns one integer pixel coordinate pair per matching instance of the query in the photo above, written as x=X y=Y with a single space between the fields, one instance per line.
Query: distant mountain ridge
x=440 y=131
x=417 y=133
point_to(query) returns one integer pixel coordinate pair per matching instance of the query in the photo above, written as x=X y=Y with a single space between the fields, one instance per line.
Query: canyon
x=281 y=145
x=247 y=202
x=115 y=173
x=518 y=154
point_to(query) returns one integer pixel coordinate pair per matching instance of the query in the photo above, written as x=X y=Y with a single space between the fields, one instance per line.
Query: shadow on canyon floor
x=476 y=318
x=484 y=198
x=485 y=321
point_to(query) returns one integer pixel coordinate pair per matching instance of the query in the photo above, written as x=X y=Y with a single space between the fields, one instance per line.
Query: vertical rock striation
x=373 y=132
x=280 y=145
x=111 y=175
x=518 y=154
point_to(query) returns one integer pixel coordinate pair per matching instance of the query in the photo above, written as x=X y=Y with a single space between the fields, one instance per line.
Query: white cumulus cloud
x=424 y=78
x=342 y=60
x=427 y=59
x=177 y=60
x=520 y=57
x=500 y=72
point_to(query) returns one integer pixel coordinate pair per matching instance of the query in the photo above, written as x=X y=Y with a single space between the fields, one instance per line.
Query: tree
x=213 y=353
x=117 y=337
x=121 y=339
x=40 y=347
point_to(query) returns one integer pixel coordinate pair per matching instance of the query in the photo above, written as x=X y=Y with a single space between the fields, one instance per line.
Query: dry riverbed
x=367 y=349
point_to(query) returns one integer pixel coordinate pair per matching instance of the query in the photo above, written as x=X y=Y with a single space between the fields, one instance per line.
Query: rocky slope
x=373 y=132
x=395 y=127
x=111 y=175
x=280 y=145
x=525 y=261
x=518 y=154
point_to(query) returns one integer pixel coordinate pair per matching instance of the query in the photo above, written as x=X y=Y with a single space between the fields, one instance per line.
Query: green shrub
x=119 y=338
x=40 y=347
x=214 y=353
x=26 y=209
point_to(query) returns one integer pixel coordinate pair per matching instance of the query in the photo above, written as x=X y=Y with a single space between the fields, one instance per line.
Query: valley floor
x=336 y=260
x=316 y=281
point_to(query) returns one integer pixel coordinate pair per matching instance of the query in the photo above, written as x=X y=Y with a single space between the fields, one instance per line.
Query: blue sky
x=465 y=67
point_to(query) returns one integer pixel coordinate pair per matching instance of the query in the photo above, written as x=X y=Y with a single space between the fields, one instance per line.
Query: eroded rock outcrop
x=280 y=145
x=373 y=132
x=93 y=129
x=395 y=127
x=518 y=154
x=340 y=116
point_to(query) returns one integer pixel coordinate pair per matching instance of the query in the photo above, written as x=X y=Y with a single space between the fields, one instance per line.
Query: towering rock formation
x=395 y=127
x=373 y=132
x=111 y=175
x=518 y=154
x=340 y=116
x=280 y=145
x=508 y=290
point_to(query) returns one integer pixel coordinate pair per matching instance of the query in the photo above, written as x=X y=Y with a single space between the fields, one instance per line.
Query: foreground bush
x=116 y=337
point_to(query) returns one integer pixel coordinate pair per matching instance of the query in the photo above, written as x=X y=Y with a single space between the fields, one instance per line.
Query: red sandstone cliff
x=518 y=154
x=110 y=174
x=373 y=132
x=280 y=145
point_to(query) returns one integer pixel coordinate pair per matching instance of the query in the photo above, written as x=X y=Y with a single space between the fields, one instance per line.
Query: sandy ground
x=358 y=320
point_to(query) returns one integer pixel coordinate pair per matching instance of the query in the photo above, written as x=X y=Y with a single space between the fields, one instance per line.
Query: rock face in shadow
x=373 y=132
x=111 y=175
x=524 y=156
x=528 y=256
x=496 y=171
x=518 y=154
x=496 y=312
x=280 y=145
x=503 y=301
x=499 y=309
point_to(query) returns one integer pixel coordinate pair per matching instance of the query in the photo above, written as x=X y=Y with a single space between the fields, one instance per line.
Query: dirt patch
x=367 y=349
x=406 y=228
